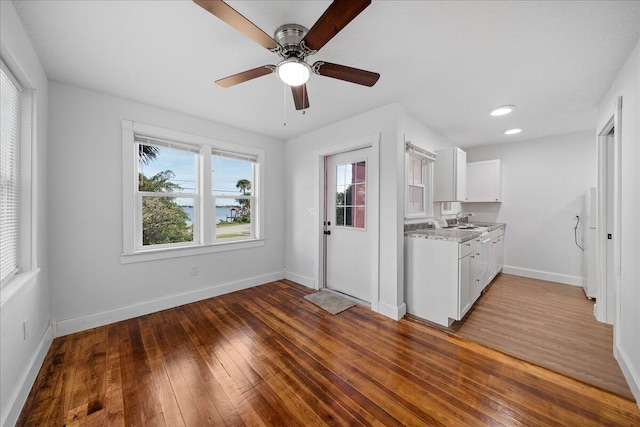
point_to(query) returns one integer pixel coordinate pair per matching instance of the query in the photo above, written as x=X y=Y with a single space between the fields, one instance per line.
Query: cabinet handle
x=468 y=244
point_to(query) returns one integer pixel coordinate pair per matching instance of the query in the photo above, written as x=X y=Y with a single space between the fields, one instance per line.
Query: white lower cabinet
x=464 y=286
x=439 y=278
x=496 y=254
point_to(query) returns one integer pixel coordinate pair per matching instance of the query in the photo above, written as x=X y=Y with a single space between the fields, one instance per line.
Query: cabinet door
x=476 y=284
x=493 y=258
x=484 y=181
x=450 y=175
x=464 y=291
x=499 y=253
x=460 y=175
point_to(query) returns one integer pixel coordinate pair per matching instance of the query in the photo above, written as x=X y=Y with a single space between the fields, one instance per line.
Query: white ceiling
x=446 y=62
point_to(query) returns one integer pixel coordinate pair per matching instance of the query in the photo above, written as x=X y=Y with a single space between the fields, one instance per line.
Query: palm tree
x=244 y=185
x=146 y=153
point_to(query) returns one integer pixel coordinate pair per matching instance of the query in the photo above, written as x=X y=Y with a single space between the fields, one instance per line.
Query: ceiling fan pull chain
x=284 y=107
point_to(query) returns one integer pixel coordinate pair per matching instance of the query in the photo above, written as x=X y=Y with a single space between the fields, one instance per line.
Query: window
x=350 y=194
x=10 y=173
x=419 y=178
x=232 y=174
x=167 y=194
x=190 y=194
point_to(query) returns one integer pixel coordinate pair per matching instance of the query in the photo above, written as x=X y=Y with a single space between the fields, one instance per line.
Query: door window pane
x=351 y=195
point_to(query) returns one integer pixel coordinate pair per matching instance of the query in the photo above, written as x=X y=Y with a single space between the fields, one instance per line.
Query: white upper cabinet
x=450 y=176
x=484 y=182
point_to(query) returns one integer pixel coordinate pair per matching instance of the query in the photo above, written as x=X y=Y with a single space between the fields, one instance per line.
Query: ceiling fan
x=294 y=43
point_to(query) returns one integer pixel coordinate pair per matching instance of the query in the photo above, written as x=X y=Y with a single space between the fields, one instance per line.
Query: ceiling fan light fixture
x=502 y=110
x=293 y=71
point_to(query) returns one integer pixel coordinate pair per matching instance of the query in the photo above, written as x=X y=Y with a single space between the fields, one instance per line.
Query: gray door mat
x=329 y=301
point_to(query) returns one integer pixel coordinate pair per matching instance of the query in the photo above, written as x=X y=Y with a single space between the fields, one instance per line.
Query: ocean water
x=221 y=213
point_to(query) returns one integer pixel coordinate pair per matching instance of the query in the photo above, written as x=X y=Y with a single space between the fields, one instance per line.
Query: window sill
x=415 y=219
x=18 y=283
x=167 y=253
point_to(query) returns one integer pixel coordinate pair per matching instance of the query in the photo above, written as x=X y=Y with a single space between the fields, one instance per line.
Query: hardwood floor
x=549 y=324
x=266 y=356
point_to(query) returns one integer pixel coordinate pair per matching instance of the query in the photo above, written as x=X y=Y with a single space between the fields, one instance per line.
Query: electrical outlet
x=194 y=270
x=25 y=329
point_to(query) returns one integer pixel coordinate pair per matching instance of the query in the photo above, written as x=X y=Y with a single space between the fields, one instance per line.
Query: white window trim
x=427 y=189
x=28 y=269
x=130 y=253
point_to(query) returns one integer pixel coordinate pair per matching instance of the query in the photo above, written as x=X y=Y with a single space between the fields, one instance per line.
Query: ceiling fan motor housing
x=289 y=37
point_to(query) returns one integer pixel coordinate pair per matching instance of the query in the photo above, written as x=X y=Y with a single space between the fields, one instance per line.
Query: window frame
x=413 y=151
x=204 y=240
x=27 y=266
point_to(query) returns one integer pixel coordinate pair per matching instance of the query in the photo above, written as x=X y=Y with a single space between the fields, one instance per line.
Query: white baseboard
x=69 y=326
x=303 y=280
x=544 y=275
x=20 y=394
x=396 y=313
x=630 y=374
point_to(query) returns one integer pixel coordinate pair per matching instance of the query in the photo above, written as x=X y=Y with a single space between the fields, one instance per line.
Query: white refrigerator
x=589 y=224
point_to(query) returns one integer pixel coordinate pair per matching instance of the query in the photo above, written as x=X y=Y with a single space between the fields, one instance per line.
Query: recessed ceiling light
x=502 y=110
x=512 y=131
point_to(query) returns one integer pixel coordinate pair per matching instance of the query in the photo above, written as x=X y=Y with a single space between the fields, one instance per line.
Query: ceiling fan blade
x=334 y=19
x=246 y=75
x=300 y=97
x=348 y=74
x=232 y=17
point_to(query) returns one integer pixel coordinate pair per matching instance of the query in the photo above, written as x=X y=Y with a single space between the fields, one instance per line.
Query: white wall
x=20 y=359
x=302 y=193
x=627 y=85
x=543 y=185
x=89 y=284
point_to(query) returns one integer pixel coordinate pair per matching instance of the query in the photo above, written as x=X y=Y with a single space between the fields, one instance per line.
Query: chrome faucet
x=461 y=214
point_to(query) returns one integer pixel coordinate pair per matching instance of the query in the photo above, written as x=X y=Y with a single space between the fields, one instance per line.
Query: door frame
x=600 y=309
x=373 y=208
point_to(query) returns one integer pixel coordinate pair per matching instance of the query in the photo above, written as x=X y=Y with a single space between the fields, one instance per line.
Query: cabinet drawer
x=467 y=247
x=496 y=233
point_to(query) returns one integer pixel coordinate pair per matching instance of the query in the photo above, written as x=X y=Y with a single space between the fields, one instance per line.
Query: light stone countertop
x=453 y=234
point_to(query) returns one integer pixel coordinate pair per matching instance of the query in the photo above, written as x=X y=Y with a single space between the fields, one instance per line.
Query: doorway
x=608 y=241
x=349 y=225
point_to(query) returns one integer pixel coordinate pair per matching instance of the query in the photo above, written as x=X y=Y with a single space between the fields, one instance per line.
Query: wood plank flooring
x=549 y=324
x=266 y=356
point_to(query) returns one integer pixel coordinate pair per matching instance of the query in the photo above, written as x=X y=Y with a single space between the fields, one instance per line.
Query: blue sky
x=226 y=171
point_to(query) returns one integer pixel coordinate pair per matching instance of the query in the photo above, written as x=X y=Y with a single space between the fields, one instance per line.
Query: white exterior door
x=349 y=237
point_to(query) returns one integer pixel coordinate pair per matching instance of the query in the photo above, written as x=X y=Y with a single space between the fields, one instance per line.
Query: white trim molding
x=16 y=401
x=630 y=374
x=302 y=280
x=320 y=154
x=396 y=313
x=77 y=324
x=544 y=275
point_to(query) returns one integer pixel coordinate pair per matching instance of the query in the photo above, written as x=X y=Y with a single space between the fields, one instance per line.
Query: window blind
x=9 y=173
x=148 y=140
x=237 y=156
